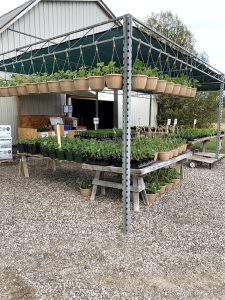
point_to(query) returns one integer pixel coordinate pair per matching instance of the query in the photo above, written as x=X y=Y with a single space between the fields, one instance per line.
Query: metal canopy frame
x=132 y=32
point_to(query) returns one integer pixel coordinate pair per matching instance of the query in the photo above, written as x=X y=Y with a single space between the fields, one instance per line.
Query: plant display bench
x=23 y=167
x=198 y=158
x=137 y=185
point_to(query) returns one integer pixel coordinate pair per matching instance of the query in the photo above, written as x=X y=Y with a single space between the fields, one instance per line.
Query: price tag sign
x=96 y=121
x=175 y=122
x=168 y=122
x=195 y=121
x=44 y=134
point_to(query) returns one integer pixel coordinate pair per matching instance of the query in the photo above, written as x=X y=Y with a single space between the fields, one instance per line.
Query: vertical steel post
x=115 y=109
x=220 y=114
x=127 y=61
x=96 y=110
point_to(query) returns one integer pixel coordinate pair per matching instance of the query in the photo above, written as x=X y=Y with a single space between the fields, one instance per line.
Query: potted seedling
x=195 y=83
x=169 y=84
x=139 y=77
x=66 y=81
x=96 y=78
x=177 y=86
x=85 y=186
x=31 y=83
x=81 y=80
x=161 y=84
x=53 y=83
x=20 y=85
x=12 y=86
x=4 y=91
x=152 y=79
x=43 y=84
x=184 y=84
x=164 y=152
x=113 y=76
x=152 y=189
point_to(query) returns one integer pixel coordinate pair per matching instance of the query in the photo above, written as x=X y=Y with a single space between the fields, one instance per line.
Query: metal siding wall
x=51 y=18
x=8 y=114
x=45 y=104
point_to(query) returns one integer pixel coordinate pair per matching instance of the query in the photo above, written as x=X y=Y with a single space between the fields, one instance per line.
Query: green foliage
x=138 y=68
x=83 y=183
x=98 y=70
x=112 y=69
x=81 y=73
x=173 y=28
x=203 y=108
x=152 y=187
x=194 y=133
x=151 y=72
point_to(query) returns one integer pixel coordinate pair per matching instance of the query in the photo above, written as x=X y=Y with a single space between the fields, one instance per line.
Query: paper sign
x=168 y=122
x=5 y=131
x=5 y=148
x=175 y=122
x=44 y=134
x=96 y=121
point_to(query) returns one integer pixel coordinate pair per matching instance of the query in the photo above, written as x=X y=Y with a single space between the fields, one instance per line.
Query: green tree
x=204 y=106
x=173 y=28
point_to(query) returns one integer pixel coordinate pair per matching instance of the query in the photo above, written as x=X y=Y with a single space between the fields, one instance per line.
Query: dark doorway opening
x=84 y=110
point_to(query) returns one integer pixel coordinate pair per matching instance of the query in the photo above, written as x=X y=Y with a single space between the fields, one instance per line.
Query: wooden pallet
x=6 y=161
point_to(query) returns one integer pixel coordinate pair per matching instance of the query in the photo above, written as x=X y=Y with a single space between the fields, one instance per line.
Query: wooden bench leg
x=143 y=192
x=135 y=194
x=23 y=168
x=181 y=169
x=94 y=188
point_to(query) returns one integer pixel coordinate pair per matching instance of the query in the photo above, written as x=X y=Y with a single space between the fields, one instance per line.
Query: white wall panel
x=8 y=114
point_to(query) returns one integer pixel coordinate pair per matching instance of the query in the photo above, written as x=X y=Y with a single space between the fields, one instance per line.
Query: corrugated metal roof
x=6 y=18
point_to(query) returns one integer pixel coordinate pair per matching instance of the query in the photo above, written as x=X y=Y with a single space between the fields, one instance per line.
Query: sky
x=205 y=19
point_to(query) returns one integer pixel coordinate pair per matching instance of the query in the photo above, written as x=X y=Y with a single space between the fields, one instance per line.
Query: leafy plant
x=111 y=68
x=83 y=183
x=138 y=67
x=98 y=70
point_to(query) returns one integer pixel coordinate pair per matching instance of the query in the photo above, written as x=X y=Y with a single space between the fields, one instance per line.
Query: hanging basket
x=81 y=84
x=139 y=82
x=151 y=83
x=67 y=85
x=21 y=89
x=54 y=86
x=176 y=89
x=43 y=87
x=32 y=88
x=114 y=81
x=97 y=83
x=169 y=87
x=4 y=92
x=193 y=92
x=188 y=92
x=161 y=86
x=12 y=91
x=183 y=90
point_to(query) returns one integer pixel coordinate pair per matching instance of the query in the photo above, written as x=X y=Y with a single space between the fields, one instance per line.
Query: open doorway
x=84 y=110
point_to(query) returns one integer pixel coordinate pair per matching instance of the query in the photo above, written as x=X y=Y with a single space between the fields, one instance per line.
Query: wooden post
x=58 y=135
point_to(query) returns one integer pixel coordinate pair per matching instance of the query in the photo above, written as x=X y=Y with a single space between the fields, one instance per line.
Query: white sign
x=56 y=120
x=6 y=148
x=44 y=134
x=5 y=131
x=175 y=122
x=195 y=121
x=96 y=121
x=168 y=122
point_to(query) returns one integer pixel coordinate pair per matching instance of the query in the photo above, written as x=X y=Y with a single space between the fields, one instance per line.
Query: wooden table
x=23 y=168
x=137 y=185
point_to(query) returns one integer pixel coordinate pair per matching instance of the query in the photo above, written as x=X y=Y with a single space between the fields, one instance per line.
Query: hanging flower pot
x=151 y=83
x=96 y=83
x=43 y=87
x=67 y=85
x=114 y=81
x=81 y=84
x=169 y=87
x=138 y=82
x=21 y=89
x=183 y=90
x=4 y=92
x=32 y=88
x=161 y=86
x=54 y=86
x=176 y=89
x=193 y=92
x=12 y=91
x=188 y=92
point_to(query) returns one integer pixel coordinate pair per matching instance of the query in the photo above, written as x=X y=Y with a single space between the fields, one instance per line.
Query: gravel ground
x=55 y=244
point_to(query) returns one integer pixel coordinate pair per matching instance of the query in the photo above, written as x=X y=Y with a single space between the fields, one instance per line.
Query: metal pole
x=127 y=61
x=115 y=109
x=96 y=110
x=220 y=113
x=150 y=111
